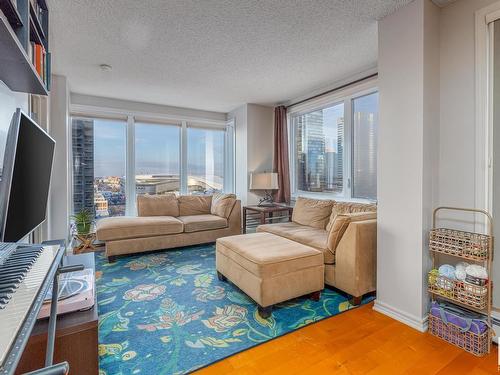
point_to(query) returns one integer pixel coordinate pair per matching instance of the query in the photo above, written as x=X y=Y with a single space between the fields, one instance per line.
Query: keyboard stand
x=17 y=348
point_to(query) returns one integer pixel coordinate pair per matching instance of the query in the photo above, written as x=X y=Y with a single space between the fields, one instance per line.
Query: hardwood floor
x=361 y=341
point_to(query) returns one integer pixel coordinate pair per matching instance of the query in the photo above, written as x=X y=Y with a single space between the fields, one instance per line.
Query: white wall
x=408 y=53
x=260 y=143
x=59 y=129
x=457 y=112
x=9 y=101
x=131 y=106
x=254 y=132
x=457 y=185
x=240 y=151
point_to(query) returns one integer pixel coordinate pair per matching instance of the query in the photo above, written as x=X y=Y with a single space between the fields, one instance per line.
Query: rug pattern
x=167 y=313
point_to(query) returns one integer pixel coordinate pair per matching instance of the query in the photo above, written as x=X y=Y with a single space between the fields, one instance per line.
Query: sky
x=367 y=103
x=157 y=146
x=156 y=149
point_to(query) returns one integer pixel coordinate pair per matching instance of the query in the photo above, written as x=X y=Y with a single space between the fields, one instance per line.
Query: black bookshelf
x=24 y=23
x=10 y=10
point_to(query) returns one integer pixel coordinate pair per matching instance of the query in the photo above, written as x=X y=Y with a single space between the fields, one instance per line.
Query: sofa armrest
x=234 y=219
x=356 y=258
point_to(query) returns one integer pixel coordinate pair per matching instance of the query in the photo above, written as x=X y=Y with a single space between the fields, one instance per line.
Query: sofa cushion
x=266 y=255
x=340 y=225
x=222 y=204
x=157 y=205
x=194 y=204
x=312 y=212
x=123 y=227
x=197 y=223
x=349 y=207
x=314 y=237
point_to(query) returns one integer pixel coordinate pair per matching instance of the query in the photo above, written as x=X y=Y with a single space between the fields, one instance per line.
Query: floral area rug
x=167 y=313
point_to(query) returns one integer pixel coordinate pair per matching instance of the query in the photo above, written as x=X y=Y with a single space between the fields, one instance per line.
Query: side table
x=86 y=243
x=266 y=213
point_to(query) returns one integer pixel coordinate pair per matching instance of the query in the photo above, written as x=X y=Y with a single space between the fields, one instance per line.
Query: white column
x=184 y=152
x=407 y=161
x=60 y=188
x=130 y=194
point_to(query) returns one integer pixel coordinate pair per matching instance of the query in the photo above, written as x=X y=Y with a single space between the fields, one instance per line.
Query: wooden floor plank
x=361 y=341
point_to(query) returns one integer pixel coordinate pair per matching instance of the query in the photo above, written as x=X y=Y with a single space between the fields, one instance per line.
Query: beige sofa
x=346 y=234
x=167 y=221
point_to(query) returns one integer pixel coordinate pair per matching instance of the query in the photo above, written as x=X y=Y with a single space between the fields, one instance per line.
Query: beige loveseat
x=168 y=221
x=346 y=234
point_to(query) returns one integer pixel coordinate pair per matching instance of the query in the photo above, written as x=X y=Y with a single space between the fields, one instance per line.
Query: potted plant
x=83 y=221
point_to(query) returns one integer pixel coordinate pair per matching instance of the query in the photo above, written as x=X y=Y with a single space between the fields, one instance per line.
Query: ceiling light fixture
x=106 y=67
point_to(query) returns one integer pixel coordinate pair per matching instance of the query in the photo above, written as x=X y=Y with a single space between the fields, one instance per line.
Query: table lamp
x=266 y=181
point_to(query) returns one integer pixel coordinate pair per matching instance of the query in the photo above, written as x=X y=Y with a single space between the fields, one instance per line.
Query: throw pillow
x=222 y=204
x=341 y=223
x=194 y=204
x=312 y=212
x=349 y=207
x=157 y=205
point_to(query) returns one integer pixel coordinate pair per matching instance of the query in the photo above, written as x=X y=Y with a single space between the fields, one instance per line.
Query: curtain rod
x=333 y=90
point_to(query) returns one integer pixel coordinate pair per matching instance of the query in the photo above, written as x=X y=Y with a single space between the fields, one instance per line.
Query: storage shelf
x=16 y=69
x=34 y=34
x=471 y=246
x=458 y=243
x=476 y=309
x=465 y=257
x=11 y=12
x=36 y=22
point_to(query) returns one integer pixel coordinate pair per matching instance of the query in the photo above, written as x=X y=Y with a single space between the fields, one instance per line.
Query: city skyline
x=156 y=149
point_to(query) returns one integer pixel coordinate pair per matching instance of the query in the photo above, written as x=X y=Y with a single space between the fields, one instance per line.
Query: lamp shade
x=264 y=181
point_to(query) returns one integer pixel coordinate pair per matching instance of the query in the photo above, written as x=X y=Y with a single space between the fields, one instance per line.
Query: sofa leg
x=315 y=296
x=265 y=312
x=356 y=300
x=221 y=277
x=112 y=258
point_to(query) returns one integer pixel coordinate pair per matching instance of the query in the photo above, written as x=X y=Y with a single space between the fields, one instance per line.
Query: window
x=319 y=139
x=364 y=147
x=157 y=159
x=116 y=160
x=333 y=144
x=99 y=160
x=205 y=160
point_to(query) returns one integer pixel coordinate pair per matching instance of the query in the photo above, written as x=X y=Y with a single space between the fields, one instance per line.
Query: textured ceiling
x=443 y=3
x=213 y=54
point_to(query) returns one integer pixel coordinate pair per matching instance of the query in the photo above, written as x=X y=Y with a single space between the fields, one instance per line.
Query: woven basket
x=467 y=245
x=471 y=342
x=459 y=291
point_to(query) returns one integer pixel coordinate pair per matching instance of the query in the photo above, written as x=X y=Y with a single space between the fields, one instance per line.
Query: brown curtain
x=280 y=161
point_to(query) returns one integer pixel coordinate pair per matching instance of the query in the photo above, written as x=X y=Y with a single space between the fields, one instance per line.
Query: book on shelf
x=41 y=61
x=38 y=10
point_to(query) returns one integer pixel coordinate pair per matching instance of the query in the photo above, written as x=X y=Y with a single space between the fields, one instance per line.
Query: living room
x=249 y=186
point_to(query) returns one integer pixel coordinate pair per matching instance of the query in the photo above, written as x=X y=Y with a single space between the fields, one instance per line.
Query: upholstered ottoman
x=270 y=269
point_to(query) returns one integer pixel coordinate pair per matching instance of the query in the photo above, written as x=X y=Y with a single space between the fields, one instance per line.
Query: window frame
x=130 y=119
x=345 y=96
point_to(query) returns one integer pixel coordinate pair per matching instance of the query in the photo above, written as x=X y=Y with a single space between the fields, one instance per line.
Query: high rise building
x=83 y=165
x=365 y=155
x=340 y=154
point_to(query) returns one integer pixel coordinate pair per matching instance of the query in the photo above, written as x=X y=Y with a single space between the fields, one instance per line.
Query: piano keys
x=25 y=277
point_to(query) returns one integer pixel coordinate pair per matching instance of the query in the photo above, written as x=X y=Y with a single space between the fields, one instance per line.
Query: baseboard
x=401 y=316
x=495 y=315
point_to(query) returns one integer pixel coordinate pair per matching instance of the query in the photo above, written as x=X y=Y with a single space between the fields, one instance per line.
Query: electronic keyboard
x=25 y=277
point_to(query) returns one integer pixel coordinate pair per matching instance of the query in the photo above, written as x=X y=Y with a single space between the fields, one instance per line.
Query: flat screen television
x=25 y=182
